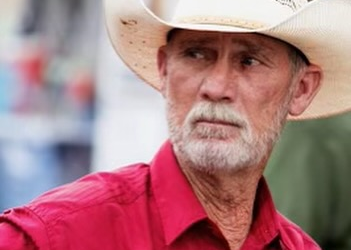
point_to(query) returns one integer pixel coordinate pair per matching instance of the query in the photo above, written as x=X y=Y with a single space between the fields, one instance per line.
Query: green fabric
x=309 y=174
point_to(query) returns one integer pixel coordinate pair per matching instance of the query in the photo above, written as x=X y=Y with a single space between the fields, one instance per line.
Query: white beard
x=212 y=148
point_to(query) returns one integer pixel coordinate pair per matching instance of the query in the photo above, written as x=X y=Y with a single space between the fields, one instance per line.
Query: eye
x=195 y=53
x=204 y=54
x=249 y=61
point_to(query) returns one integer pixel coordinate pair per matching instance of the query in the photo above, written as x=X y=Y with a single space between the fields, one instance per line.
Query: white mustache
x=216 y=112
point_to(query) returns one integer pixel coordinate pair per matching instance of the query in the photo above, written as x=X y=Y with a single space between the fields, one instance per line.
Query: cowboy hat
x=320 y=29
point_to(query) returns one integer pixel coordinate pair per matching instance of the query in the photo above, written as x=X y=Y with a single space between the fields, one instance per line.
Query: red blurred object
x=80 y=87
x=31 y=64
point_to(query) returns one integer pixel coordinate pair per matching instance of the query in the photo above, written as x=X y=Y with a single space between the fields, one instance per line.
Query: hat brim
x=320 y=30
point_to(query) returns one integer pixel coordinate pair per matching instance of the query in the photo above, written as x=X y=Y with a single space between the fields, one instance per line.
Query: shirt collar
x=265 y=227
x=179 y=207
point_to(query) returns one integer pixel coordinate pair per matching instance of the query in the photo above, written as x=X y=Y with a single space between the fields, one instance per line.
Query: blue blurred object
x=8 y=85
x=27 y=169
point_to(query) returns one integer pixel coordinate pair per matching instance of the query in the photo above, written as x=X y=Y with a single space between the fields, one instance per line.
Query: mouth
x=217 y=122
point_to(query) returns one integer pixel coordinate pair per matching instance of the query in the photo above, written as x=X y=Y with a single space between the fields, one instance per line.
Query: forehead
x=250 y=40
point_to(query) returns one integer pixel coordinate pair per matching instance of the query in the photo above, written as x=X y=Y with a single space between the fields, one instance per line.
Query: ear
x=162 y=67
x=309 y=82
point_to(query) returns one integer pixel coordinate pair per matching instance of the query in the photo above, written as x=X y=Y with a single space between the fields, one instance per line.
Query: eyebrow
x=197 y=42
x=244 y=43
x=253 y=47
x=189 y=41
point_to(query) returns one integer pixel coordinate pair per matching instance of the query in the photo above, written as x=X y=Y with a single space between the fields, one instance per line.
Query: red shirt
x=140 y=207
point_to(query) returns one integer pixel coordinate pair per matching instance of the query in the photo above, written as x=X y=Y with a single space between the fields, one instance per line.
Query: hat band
x=240 y=23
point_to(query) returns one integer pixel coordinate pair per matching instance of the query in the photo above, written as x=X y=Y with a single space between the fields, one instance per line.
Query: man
x=231 y=72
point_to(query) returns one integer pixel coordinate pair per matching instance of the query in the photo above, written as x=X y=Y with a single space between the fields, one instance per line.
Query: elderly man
x=232 y=72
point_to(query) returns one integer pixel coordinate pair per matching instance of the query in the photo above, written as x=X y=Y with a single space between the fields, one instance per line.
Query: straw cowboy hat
x=320 y=29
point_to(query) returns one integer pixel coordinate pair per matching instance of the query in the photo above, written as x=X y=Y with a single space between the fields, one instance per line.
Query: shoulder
x=293 y=237
x=90 y=207
x=121 y=186
x=81 y=208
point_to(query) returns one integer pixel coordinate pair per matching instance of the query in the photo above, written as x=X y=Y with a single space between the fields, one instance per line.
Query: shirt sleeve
x=22 y=229
x=12 y=238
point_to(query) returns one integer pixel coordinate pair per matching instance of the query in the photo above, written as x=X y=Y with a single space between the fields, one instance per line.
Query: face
x=227 y=96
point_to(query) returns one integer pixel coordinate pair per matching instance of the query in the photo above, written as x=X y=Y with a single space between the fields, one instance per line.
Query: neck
x=228 y=198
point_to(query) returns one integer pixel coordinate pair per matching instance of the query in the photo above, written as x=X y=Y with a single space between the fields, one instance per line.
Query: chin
x=215 y=154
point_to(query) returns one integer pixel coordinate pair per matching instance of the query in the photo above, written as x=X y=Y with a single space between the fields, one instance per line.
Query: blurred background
x=69 y=107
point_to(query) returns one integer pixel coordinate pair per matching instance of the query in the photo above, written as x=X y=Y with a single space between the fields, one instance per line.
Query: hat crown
x=263 y=12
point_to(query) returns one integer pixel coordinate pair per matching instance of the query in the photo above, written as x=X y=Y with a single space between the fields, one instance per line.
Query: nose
x=219 y=84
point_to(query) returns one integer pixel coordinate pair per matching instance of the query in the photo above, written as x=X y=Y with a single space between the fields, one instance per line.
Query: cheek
x=263 y=107
x=182 y=84
x=180 y=94
x=272 y=91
